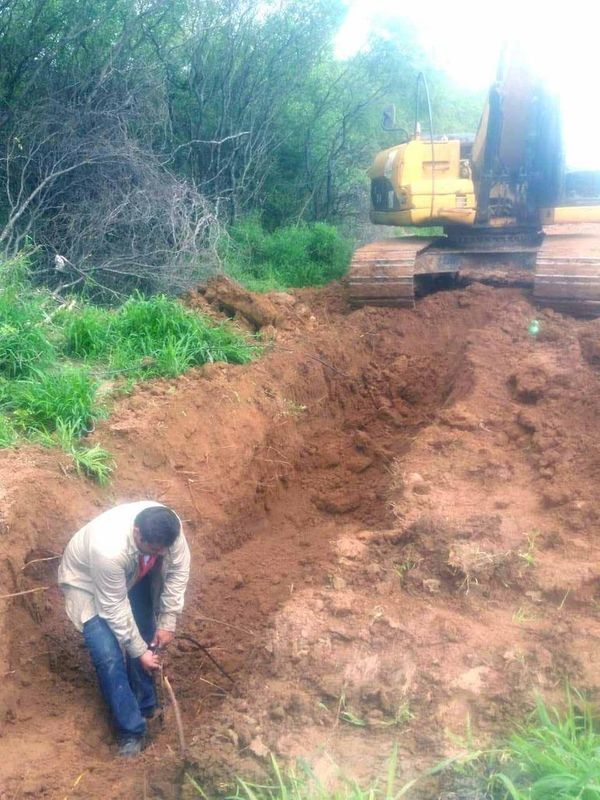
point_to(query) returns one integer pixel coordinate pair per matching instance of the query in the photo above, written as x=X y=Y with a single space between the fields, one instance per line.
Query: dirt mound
x=393 y=520
x=227 y=297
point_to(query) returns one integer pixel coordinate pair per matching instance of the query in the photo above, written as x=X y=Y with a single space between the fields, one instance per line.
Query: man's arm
x=176 y=578
x=110 y=591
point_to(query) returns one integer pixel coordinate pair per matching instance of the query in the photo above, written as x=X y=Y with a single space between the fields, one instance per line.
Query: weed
x=88 y=332
x=528 y=555
x=159 y=337
x=95 y=462
x=300 y=783
x=401 y=569
x=521 y=616
x=291 y=408
x=47 y=400
x=555 y=756
x=403 y=714
x=8 y=434
x=347 y=715
x=24 y=340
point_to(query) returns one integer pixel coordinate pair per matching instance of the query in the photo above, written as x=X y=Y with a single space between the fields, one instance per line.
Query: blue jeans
x=126 y=687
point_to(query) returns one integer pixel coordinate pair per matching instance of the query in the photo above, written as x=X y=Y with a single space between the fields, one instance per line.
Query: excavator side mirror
x=388 y=118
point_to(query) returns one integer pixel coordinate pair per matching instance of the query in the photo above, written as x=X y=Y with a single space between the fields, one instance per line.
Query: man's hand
x=162 y=639
x=150 y=661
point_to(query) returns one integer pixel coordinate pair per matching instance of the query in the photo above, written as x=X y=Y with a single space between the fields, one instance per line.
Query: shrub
x=291 y=256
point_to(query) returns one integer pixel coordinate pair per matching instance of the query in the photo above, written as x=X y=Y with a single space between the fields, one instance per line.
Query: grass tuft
x=301 y=783
x=48 y=400
x=55 y=356
x=554 y=757
x=291 y=256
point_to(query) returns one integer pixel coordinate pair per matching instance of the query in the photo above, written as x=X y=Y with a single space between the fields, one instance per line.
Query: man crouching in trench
x=116 y=573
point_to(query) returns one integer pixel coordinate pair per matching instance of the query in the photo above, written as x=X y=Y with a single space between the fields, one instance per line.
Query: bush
x=292 y=256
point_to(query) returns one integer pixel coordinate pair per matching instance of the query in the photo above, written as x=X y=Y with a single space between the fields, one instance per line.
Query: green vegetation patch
x=55 y=357
x=554 y=756
x=291 y=256
x=151 y=337
x=301 y=783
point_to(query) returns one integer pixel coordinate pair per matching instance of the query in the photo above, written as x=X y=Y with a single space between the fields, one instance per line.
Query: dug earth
x=394 y=523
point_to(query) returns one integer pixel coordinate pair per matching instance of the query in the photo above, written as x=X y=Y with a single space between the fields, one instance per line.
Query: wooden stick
x=37 y=561
x=178 y=720
x=210 y=683
x=27 y=591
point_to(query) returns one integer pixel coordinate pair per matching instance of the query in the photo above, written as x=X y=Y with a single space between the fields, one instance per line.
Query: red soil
x=394 y=523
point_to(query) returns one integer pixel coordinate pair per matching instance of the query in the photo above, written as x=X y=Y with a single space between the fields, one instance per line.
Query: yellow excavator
x=511 y=212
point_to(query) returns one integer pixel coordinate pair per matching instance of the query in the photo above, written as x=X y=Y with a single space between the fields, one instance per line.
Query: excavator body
x=507 y=208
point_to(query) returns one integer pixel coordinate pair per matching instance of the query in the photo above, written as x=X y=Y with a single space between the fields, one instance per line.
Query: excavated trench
x=289 y=474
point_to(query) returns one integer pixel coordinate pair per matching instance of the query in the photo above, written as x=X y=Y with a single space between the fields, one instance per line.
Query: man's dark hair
x=158 y=525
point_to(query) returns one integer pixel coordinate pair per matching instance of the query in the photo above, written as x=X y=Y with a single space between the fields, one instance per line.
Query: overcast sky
x=465 y=40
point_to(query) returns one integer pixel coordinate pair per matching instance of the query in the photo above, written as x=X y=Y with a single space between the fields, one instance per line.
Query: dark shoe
x=148 y=713
x=131 y=747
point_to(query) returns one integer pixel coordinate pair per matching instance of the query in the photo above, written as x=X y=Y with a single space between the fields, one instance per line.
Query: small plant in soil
x=292 y=409
x=522 y=616
x=402 y=569
x=528 y=555
x=346 y=714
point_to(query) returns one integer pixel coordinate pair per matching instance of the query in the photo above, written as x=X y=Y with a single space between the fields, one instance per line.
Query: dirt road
x=394 y=522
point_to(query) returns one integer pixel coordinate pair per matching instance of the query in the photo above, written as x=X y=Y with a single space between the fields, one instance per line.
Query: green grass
x=555 y=757
x=151 y=337
x=300 y=783
x=54 y=357
x=63 y=396
x=24 y=340
x=292 y=256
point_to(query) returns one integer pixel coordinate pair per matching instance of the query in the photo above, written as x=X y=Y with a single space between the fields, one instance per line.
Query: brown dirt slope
x=394 y=525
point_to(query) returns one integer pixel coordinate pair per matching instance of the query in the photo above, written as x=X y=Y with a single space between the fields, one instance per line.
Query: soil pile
x=394 y=524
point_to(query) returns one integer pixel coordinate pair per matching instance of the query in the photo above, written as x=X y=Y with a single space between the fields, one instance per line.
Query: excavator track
x=564 y=268
x=567 y=270
x=382 y=273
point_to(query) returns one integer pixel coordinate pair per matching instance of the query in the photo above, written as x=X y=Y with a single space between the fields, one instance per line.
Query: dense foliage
x=131 y=133
x=291 y=256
